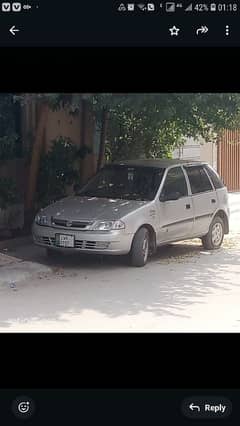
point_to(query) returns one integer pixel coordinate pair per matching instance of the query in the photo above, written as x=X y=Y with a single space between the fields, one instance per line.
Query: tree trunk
x=35 y=160
x=103 y=137
x=84 y=137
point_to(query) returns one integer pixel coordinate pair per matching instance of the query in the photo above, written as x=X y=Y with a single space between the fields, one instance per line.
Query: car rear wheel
x=214 y=238
x=140 y=248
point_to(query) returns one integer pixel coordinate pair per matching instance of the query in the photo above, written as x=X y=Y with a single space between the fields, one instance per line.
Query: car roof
x=159 y=163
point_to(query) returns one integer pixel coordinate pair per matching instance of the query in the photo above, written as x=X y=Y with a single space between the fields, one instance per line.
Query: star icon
x=174 y=31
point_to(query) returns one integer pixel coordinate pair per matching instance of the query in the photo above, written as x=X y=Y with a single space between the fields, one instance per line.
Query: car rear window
x=199 y=180
x=217 y=183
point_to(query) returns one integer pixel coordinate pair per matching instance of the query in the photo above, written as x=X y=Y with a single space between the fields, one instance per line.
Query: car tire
x=214 y=238
x=140 y=248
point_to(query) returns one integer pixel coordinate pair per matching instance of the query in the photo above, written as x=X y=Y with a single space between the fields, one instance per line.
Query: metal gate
x=229 y=158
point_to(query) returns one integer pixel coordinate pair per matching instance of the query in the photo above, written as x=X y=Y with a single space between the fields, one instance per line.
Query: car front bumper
x=107 y=242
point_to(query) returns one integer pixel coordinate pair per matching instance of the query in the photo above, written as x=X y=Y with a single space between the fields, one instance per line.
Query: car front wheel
x=214 y=238
x=140 y=248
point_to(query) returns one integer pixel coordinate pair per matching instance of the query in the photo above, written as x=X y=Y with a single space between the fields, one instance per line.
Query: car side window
x=199 y=180
x=175 y=182
x=217 y=183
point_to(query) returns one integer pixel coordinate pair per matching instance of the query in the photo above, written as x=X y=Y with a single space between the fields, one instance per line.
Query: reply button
x=206 y=407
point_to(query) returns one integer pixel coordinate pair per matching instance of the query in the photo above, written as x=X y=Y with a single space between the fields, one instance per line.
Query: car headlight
x=41 y=220
x=108 y=225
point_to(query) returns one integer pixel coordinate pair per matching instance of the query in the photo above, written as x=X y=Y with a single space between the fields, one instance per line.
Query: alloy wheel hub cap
x=145 y=248
x=217 y=233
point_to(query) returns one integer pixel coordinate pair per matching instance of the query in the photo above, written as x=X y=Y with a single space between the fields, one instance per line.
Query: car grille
x=45 y=240
x=91 y=245
x=79 y=244
x=79 y=224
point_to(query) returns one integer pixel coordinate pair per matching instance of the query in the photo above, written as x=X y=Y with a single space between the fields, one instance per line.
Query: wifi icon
x=142 y=6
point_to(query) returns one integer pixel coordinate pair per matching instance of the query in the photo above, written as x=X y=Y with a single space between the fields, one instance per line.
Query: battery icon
x=213 y=7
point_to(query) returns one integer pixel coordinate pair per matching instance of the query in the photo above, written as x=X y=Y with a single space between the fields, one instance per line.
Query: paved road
x=183 y=288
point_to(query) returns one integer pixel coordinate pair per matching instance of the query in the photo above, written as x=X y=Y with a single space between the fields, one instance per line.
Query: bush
x=8 y=193
x=59 y=168
x=8 y=148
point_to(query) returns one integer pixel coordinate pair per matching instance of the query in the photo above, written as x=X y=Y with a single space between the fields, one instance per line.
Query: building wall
x=61 y=123
x=208 y=153
x=80 y=129
x=189 y=151
x=197 y=149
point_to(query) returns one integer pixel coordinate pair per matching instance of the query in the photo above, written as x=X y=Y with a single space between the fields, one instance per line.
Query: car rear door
x=220 y=188
x=175 y=216
x=204 y=198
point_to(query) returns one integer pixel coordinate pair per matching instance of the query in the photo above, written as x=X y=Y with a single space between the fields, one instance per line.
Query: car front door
x=204 y=198
x=175 y=215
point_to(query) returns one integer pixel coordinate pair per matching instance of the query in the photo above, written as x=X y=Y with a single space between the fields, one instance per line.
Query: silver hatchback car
x=132 y=207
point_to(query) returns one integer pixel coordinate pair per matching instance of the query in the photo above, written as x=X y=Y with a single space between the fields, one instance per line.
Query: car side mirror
x=170 y=197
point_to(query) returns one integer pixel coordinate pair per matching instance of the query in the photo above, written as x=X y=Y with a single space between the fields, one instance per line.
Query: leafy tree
x=144 y=125
x=8 y=134
x=8 y=193
x=8 y=138
x=152 y=125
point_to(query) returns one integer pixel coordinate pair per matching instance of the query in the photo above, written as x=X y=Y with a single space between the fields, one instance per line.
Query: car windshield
x=124 y=182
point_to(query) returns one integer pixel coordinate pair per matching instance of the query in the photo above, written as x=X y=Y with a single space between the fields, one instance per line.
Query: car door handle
x=213 y=200
x=188 y=206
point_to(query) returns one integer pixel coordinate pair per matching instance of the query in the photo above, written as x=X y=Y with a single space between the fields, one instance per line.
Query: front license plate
x=65 y=240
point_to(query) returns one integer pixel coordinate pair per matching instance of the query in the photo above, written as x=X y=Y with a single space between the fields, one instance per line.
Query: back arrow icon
x=13 y=30
x=194 y=407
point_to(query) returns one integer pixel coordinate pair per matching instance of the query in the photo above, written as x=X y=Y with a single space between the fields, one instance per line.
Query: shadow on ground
x=179 y=275
x=80 y=260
